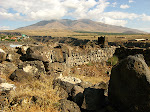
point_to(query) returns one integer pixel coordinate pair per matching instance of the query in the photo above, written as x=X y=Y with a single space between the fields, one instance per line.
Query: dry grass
x=93 y=80
x=69 y=33
x=93 y=73
x=35 y=96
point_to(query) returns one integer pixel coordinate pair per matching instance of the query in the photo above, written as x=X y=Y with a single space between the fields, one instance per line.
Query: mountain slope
x=79 y=25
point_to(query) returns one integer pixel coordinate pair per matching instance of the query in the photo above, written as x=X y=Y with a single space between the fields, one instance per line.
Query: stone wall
x=99 y=55
x=122 y=53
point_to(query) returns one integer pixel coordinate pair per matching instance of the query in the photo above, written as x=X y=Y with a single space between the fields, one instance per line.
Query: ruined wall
x=122 y=53
x=100 y=55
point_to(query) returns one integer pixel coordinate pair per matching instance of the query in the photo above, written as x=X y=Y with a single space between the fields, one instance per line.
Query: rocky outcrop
x=23 y=49
x=55 y=67
x=88 y=99
x=58 y=55
x=41 y=53
x=27 y=71
x=129 y=86
x=68 y=106
x=77 y=95
x=94 y=99
x=27 y=63
x=7 y=68
x=32 y=67
x=85 y=84
x=13 y=57
x=20 y=76
x=67 y=83
x=123 y=52
x=2 y=55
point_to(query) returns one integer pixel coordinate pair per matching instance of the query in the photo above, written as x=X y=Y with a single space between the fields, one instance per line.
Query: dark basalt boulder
x=20 y=76
x=77 y=95
x=7 y=68
x=66 y=82
x=32 y=67
x=41 y=53
x=68 y=106
x=129 y=86
x=94 y=99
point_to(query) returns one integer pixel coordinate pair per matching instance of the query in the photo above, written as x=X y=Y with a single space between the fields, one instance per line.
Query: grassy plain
x=111 y=37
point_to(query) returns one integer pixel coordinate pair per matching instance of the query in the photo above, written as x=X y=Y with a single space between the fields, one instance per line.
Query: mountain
x=79 y=25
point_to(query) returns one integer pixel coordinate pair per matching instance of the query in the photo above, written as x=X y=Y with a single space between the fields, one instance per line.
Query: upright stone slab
x=129 y=86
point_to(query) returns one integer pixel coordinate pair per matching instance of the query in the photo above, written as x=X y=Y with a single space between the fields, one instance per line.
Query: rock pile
x=127 y=91
x=88 y=98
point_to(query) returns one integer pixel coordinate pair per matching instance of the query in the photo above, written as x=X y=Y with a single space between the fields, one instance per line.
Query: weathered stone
x=41 y=53
x=32 y=67
x=21 y=76
x=77 y=95
x=84 y=84
x=6 y=87
x=129 y=86
x=93 y=99
x=13 y=57
x=58 y=55
x=67 y=83
x=55 y=67
x=84 y=57
x=7 y=68
x=101 y=85
x=68 y=106
x=23 y=49
x=2 y=55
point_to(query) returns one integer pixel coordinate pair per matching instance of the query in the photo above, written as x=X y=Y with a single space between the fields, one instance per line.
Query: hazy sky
x=128 y=13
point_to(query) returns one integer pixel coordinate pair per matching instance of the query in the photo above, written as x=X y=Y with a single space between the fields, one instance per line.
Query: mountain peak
x=78 y=25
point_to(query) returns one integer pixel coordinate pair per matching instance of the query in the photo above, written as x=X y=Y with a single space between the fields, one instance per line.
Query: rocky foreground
x=38 y=77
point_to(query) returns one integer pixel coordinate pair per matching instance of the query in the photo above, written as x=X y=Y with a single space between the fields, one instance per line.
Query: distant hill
x=79 y=25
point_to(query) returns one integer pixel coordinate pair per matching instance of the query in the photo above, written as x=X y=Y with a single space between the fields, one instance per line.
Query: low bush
x=112 y=61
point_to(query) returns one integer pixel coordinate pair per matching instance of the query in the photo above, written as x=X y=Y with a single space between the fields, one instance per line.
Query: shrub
x=112 y=61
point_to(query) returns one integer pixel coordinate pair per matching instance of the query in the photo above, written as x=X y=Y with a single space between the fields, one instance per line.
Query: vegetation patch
x=35 y=96
x=112 y=61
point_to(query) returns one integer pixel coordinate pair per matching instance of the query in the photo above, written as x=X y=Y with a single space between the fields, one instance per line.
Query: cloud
x=4 y=28
x=48 y=9
x=31 y=10
x=145 y=17
x=114 y=4
x=116 y=18
x=89 y=9
x=130 y=1
x=120 y=15
x=10 y=16
x=108 y=20
x=34 y=10
x=124 y=6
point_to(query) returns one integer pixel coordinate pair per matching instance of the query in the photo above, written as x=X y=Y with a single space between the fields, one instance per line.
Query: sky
x=127 y=13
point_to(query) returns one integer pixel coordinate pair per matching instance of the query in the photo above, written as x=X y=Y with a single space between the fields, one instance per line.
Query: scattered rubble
x=127 y=90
